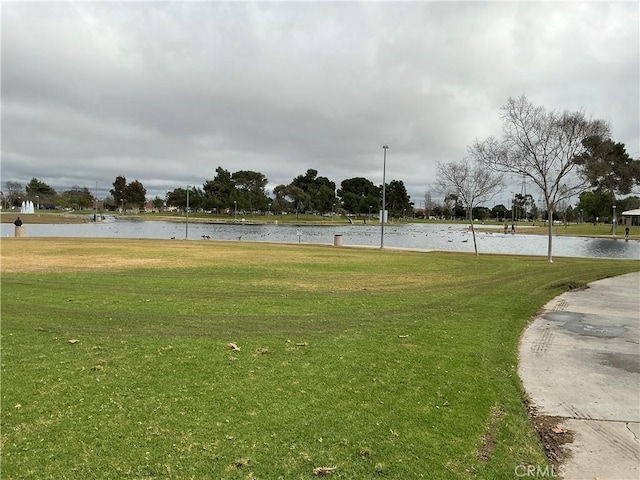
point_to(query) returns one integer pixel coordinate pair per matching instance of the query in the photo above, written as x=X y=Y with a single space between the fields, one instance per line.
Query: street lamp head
x=385 y=146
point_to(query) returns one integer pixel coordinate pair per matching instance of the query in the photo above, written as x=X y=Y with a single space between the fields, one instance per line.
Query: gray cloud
x=166 y=92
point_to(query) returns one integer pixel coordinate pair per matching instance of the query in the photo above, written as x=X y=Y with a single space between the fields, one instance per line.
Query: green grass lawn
x=280 y=218
x=376 y=364
x=42 y=217
x=578 y=230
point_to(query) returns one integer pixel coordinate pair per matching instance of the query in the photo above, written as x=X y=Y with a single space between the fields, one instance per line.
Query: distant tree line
x=45 y=197
x=245 y=191
x=563 y=154
x=241 y=191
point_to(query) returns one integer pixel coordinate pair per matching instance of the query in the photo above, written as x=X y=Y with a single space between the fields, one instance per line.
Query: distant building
x=631 y=217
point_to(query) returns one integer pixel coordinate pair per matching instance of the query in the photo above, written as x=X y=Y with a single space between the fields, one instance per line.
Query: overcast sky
x=164 y=93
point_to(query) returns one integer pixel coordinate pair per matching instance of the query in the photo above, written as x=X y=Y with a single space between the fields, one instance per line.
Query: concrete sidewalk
x=580 y=360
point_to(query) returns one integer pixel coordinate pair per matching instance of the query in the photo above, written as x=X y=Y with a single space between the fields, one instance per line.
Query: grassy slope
x=152 y=390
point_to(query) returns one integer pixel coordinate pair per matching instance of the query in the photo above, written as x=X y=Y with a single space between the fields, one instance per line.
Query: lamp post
x=384 y=193
x=122 y=206
x=186 y=230
x=235 y=210
x=614 y=220
x=38 y=202
x=370 y=210
x=513 y=206
x=95 y=202
x=269 y=208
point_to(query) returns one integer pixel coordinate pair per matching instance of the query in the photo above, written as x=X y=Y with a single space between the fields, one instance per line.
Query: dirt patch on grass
x=569 y=285
x=553 y=436
x=488 y=445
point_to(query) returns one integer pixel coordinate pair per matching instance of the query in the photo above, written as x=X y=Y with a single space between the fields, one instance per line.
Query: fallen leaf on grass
x=73 y=340
x=163 y=350
x=323 y=471
x=99 y=365
x=303 y=344
x=234 y=347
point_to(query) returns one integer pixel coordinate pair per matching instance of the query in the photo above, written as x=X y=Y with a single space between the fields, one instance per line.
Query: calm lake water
x=412 y=235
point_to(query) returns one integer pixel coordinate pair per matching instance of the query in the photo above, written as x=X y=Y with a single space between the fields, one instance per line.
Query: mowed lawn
x=148 y=359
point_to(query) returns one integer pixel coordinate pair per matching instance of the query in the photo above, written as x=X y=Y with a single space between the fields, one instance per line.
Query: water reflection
x=416 y=236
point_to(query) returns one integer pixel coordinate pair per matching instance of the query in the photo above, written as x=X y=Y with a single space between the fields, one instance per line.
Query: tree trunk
x=473 y=232
x=550 y=236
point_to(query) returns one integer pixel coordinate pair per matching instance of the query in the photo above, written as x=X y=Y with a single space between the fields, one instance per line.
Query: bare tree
x=471 y=182
x=541 y=145
x=12 y=192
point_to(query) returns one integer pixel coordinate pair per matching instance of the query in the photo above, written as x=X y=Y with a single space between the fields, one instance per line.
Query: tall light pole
x=95 y=202
x=614 y=220
x=384 y=193
x=235 y=210
x=513 y=206
x=186 y=232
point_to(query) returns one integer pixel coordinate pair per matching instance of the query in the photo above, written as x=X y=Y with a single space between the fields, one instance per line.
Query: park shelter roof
x=631 y=213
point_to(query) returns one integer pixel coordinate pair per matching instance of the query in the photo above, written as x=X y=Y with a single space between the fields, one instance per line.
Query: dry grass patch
x=67 y=255
x=68 y=263
x=350 y=282
x=86 y=254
